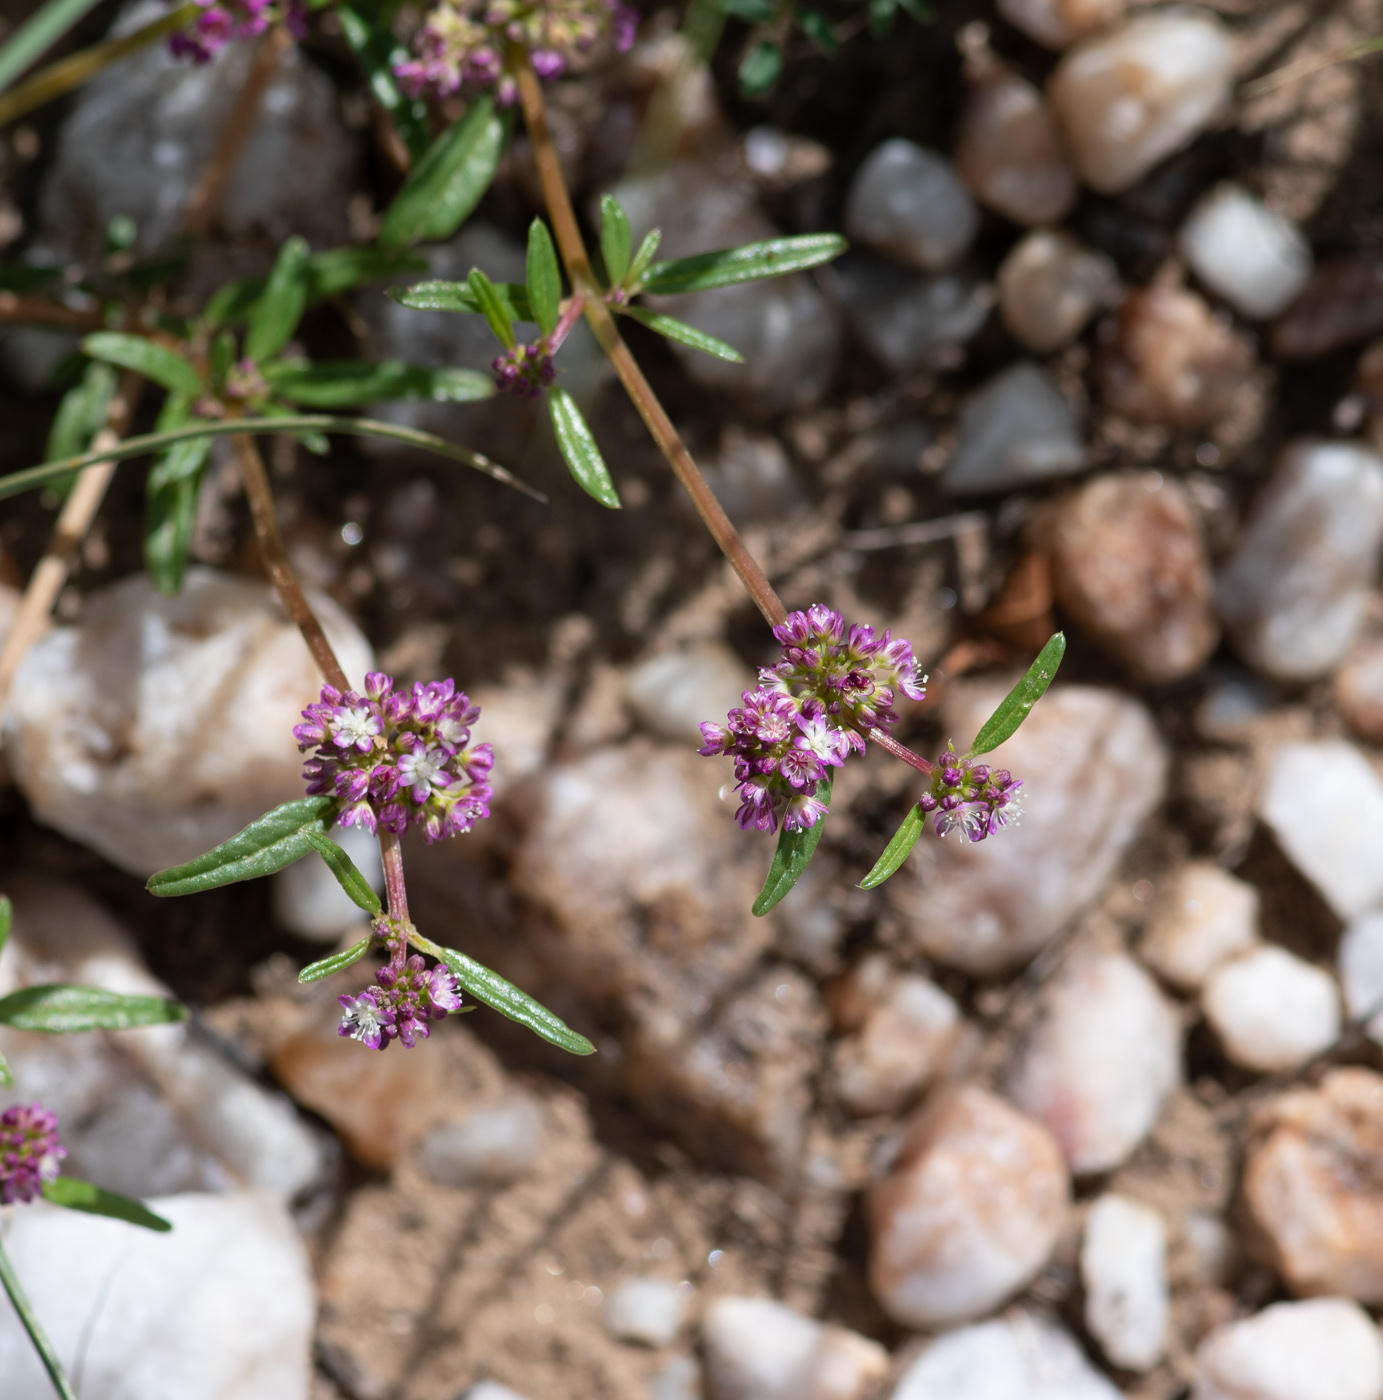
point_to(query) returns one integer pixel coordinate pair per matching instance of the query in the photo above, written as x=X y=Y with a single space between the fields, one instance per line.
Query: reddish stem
x=391 y=849
x=891 y=745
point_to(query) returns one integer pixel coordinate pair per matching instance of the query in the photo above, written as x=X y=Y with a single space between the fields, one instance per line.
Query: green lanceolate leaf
x=279 y=309
x=378 y=53
x=579 y=449
x=1013 y=710
x=6 y=1078
x=544 y=277
x=347 y=873
x=643 y=257
x=897 y=850
x=337 y=270
x=6 y=919
x=751 y=11
x=503 y=996
x=38 y=33
x=170 y=500
x=337 y=962
x=819 y=30
x=82 y=412
x=616 y=242
x=448 y=182
x=685 y=334
x=345 y=384
x=64 y=1010
x=164 y=366
x=492 y=308
x=37 y=1336
x=269 y=843
x=457 y=296
x=794 y=853
x=759 y=68
x=772 y=258
x=67 y=1191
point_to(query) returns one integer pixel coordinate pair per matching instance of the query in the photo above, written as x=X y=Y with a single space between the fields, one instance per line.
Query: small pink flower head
x=30 y=1152
x=971 y=798
x=443 y=990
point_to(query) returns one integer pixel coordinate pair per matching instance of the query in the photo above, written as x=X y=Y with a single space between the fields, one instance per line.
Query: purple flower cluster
x=971 y=797
x=525 y=371
x=464 y=41
x=392 y=757
x=224 y=20
x=809 y=711
x=29 y=1152
x=405 y=998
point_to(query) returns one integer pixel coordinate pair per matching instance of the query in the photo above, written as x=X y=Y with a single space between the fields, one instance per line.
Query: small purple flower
x=970 y=798
x=405 y=998
x=525 y=371
x=30 y=1152
x=362 y=1019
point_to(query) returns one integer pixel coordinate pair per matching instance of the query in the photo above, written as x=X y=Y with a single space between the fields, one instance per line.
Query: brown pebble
x=1341 y=304
x=1359 y=688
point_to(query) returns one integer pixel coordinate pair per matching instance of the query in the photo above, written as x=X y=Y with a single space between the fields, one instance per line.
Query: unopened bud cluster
x=971 y=798
x=524 y=371
x=223 y=20
x=407 y=995
x=246 y=391
x=809 y=712
x=467 y=41
x=395 y=757
x=29 y=1152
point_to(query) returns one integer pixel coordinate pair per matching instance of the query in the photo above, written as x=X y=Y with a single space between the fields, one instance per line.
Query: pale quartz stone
x=1271 y=1010
x=646 y=1310
x=1359 y=688
x=1323 y=1349
x=1256 y=259
x=308 y=899
x=1130 y=96
x=759 y=1349
x=1168 y=358
x=1009 y=153
x=157 y=727
x=1050 y=286
x=969 y=1213
x=909 y=204
x=221 y=1307
x=1129 y=565
x=1123 y=1265
x=1015 y=429
x=495 y=1144
x=1293 y=594
x=679 y=1379
x=1360 y=958
x=1102 y=1060
x=1093 y=768
x=1324 y=804
x=674 y=691
x=490 y=1390
x=1016 y=1357
x=903 y=1042
x=1311 y=1185
x=1206 y=917
x=1057 y=23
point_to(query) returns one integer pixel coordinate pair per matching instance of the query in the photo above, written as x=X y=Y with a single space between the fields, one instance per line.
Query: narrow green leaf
x=37 y=1336
x=347 y=383
x=347 y=873
x=269 y=843
x=448 y=182
x=153 y=361
x=751 y=11
x=579 y=449
x=503 y=996
x=492 y=308
x=759 y=68
x=37 y=34
x=337 y=962
x=221 y=357
x=1013 y=709
x=881 y=16
x=819 y=30
x=6 y=1078
x=616 y=242
x=898 y=849
x=67 y=1191
x=170 y=512
x=643 y=257
x=772 y=258
x=63 y=1010
x=6 y=919
x=378 y=53
x=687 y=335
x=794 y=853
x=337 y=270
x=82 y=412
x=544 y=277
x=279 y=309
x=457 y=296
x=141 y=446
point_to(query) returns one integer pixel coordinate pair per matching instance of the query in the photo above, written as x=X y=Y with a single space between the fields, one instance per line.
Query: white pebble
x=969 y=1214
x=1208 y=916
x=1324 y=803
x=1123 y=1265
x=1130 y=96
x=1057 y=23
x=1271 y=1011
x=494 y=1144
x=909 y=204
x=1256 y=259
x=1360 y=958
x=1016 y=1357
x=647 y=1310
x=1102 y=1061
x=1050 y=286
x=674 y=691
x=490 y=1390
x=1322 y=1349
